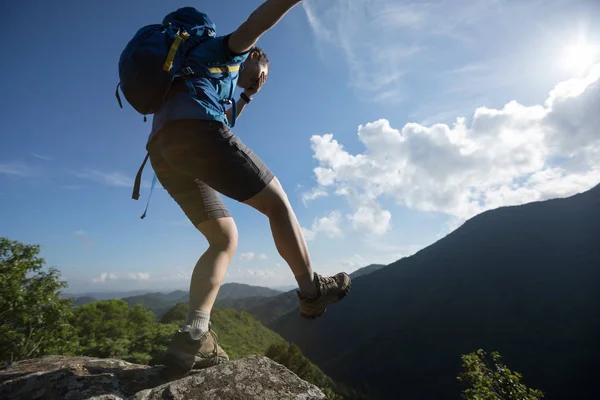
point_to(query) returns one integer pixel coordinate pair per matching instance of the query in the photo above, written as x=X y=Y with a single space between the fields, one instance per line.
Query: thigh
x=209 y=152
x=197 y=200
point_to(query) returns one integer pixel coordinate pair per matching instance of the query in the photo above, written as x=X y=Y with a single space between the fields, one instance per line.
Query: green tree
x=176 y=314
x=34 y=321
x=290 y=356
x=489 y=379
x=109 y=328
x=149 y=347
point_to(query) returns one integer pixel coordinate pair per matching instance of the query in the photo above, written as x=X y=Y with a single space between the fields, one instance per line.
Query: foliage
x=111 y=329
x=241 y=334
x=34 y=321
x=176 y=314
x=490 y=379
x=149 y=347
x=290 y=356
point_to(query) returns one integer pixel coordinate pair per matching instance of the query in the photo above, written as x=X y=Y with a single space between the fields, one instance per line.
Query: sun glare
x=580 y=56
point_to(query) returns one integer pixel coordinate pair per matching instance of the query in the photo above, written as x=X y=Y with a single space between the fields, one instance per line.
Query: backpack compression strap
x=173 y=50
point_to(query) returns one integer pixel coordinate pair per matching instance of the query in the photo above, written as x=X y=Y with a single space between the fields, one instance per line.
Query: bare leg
x=287 y=234
x=316 y=291
x=222 y=237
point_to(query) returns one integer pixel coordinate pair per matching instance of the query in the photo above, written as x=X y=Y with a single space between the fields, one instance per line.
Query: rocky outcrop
x=75 y=378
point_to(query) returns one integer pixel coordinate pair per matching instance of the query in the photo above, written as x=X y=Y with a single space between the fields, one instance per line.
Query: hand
x=255 y=88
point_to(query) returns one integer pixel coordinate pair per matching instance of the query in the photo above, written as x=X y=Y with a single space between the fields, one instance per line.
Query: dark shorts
x=195 y=160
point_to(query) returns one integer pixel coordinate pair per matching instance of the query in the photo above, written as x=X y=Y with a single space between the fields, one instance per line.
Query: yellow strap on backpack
x=173 y=50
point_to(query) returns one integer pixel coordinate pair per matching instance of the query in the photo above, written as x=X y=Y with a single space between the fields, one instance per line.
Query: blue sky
x=388 y=123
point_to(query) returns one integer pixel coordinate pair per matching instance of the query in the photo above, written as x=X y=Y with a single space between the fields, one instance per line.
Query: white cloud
x=42 y=157
x=249 y=256
x=84 y=238
x=106 y=178
x=313 y=194
x=184 y=273
x=260 y=276
x=103 y=276
x=354 y=262
x=328 y=225
x=17 y=169
x=365 y=30
x=351 y=263
x=181 y=274
x=371 y=218
x=505 y=156
x=138 y=276
x=383 y=40
x=387 y=46
x=141 y=276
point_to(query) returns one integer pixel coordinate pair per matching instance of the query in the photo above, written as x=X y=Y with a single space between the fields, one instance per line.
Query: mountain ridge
x=507 y=279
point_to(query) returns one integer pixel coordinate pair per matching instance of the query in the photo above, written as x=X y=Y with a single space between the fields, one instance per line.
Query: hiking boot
x=329 y=290
x=185 y=353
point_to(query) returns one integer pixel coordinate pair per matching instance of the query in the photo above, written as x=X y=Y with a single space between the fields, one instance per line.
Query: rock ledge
x=78 y=378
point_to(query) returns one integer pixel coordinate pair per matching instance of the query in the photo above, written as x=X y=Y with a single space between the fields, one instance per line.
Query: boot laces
x=328 y=283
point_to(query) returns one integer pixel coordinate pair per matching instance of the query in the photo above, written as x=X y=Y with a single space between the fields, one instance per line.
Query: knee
x=226 y=240
x=275 y=199
x=222 y=235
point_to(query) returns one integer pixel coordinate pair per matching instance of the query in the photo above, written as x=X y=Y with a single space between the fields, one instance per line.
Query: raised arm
x=266 y=16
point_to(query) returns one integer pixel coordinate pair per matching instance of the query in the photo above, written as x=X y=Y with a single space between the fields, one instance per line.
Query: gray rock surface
x=78 y=378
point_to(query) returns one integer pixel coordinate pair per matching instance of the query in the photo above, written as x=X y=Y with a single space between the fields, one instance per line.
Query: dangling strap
x=138 y=180
x=117 y=94
x=150 y=195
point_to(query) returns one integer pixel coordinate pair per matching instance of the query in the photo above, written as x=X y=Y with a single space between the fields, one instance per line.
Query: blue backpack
x=156 y=55
x=153 y=58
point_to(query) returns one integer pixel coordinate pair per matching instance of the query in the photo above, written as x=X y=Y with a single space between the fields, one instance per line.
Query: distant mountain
x=104 y=295
x=159 y=303
x=79 y=301
x=241 y=290
x=244 y=304
x=523 y=281
x=285 y=288
x=268 y=309
x=265 y=309
x=366 y=270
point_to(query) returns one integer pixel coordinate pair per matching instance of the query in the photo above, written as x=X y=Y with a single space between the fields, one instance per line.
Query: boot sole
x=340 y=297
x=174 y=366
x=209 y=362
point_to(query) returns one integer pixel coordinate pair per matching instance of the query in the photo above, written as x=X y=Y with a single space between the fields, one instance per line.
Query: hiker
x=196 y=157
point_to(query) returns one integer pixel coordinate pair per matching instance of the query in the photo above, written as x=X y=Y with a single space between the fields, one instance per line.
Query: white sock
x=196 y=324
x=307 y=284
